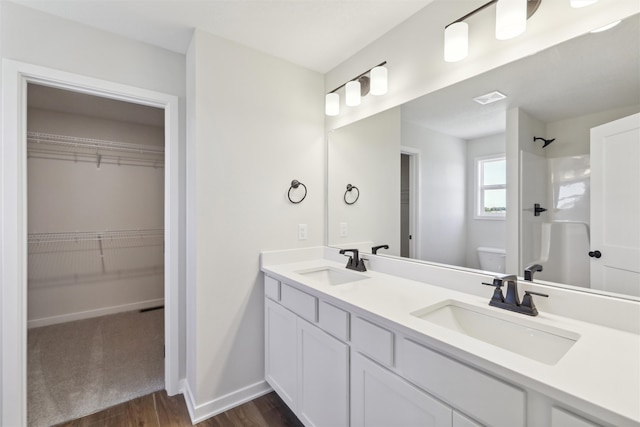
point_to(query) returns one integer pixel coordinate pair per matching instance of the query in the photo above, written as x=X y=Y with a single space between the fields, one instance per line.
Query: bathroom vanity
x=408 y=344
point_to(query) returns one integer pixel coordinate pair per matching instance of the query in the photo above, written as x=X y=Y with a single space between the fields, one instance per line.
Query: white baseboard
x=214 y=407
x=70 y=317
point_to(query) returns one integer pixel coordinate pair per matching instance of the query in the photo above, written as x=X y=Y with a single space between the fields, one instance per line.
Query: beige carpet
x=78 y=368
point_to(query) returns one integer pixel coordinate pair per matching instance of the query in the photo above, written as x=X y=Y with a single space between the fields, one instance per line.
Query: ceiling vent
x=490 y=97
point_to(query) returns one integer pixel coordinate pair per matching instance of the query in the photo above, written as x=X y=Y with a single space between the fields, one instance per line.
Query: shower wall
x=558 y=177
x=558 y=239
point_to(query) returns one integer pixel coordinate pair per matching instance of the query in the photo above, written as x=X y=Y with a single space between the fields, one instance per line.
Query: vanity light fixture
x=456 y=41
x=373 y=81
x=379 y=80
x=511 y=21
x=511 y=18
x=352 y=93
x=332 y=104
x=581 y=3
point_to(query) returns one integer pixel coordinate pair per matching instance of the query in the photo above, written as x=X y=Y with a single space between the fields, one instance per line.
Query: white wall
x=482 y=232
x=573 y=134
x=68 y=281
x=37 y=38
x=366 y=154
x=255 y=124
x=414 y=49
x=520 y=130
x=443 y=229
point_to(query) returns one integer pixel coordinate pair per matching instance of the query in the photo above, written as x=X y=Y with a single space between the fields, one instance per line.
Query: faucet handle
x=527 y=302
x=497 y=292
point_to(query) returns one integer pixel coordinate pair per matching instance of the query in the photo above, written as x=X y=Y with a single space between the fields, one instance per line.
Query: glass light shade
x=352 y=93
x=378 y=81
x=581 y=3
x=511 y=18
x=332 y=104
x=456 y=42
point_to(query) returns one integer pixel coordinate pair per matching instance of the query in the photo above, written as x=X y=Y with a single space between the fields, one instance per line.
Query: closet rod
x=89 y=143
x=76 y=236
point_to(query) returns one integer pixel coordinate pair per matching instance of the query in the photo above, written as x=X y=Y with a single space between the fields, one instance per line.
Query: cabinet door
x=281 y=351
x=380 y=398
x=323 y=378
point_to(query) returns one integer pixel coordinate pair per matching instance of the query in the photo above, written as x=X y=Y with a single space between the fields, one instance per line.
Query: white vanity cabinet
x=307 y=367
x=336 y=365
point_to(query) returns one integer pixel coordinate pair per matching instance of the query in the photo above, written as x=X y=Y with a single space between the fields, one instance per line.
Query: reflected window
x=491 y=186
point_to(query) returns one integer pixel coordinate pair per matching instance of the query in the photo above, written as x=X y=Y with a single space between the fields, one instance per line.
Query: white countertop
x=601 y=369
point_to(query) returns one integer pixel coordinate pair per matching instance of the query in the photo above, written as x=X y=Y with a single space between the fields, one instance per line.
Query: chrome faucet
x=529 y=270
x=355 y=262
x=512 y=300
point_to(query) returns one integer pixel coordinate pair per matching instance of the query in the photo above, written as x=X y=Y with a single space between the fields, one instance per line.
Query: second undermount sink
x=524 y=336
x=331 y=276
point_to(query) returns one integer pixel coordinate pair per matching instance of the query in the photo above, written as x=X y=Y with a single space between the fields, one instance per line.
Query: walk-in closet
x=95 y=203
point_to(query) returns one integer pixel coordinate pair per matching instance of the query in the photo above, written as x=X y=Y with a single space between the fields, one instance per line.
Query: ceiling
x=602 y=73
x=315 y=34
x=591 y=73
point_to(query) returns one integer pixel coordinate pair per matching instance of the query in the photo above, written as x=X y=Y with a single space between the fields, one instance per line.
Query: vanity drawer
x=372 y=340
x=301 y=303
x=464 y=388
x=272 y=288
x=333 y=320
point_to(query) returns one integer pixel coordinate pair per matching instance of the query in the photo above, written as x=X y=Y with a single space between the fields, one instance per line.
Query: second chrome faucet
x=512 y=300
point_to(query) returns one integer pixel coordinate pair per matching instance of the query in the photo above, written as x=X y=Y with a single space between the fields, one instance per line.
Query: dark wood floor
x=159 y=410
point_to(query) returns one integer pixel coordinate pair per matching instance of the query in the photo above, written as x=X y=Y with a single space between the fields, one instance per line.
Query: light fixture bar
x=360 y=75
x=473 y=12
x=532 y=7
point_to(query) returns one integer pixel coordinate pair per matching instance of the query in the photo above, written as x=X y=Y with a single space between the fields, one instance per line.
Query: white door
x=615 y=206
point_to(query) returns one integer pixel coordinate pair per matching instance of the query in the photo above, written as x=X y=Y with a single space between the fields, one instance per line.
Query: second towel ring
x=295 y=184
x=349 y=188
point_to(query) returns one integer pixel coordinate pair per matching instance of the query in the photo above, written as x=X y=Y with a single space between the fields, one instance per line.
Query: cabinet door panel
x=379 y=398
x=460 y=420
x=281 y=351
x=323 y=378
x=562 y=418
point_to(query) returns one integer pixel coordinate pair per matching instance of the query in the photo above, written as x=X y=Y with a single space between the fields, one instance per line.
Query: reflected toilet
x=492 y=259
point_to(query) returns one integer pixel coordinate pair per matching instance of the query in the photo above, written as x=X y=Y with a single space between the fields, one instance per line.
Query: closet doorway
x=409 y=202
x=95 y=263
x=14 y=236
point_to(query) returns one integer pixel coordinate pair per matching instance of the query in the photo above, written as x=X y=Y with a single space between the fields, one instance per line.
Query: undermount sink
x=331 y=276
x=524 y=336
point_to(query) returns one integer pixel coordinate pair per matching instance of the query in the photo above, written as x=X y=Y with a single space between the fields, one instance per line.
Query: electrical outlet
x=344 y=232
x=302 y=231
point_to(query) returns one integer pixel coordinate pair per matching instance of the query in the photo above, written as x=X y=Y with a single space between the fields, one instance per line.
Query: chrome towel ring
x=295 y=184
x=349 y=189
